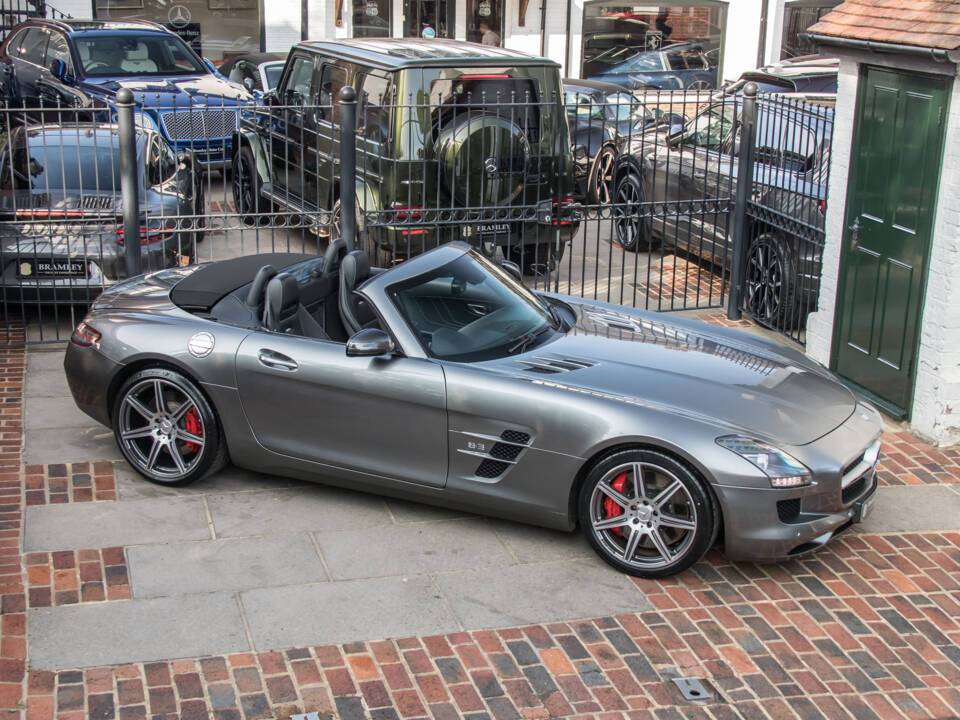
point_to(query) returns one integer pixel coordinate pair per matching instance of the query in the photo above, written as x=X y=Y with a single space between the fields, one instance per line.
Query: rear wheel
x=646 y=514
x=600 y=185
x=166 y=429
x=253 y=208
x=633 y=229
x=771 y=279
x=538 y=259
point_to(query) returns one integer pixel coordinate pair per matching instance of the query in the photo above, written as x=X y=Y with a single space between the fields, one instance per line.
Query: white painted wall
x=80 y=9
x=282 y=25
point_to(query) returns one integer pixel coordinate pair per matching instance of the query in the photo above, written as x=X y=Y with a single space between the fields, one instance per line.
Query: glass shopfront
x=371 y=18
x=680 y=41
x=428 y=18
x=216 y=29
x=485 y=21
x=798 y=15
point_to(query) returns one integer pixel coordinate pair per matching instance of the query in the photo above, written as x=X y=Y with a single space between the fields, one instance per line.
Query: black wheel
x=600 y=182
x=646 y=514
x=771 y=279
x=699 y=84
x=633 y=229
x=166 y=429
x=253 y=208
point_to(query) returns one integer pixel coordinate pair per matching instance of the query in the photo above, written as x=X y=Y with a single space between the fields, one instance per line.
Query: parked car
x=602 y=117
x=257 y=72
x=792 y=160
x=61 y=213
x=454 y=140
x=680 y=66
x=444 y=380
x=82 y=64
x=808 y=74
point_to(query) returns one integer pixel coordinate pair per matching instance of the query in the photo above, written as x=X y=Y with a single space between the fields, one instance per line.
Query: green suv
x=455 y=141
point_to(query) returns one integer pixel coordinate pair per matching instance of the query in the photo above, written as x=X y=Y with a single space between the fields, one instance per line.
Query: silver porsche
x=445 y=380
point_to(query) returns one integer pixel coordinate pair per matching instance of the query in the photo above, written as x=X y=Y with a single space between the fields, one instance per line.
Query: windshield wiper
x=524 y=341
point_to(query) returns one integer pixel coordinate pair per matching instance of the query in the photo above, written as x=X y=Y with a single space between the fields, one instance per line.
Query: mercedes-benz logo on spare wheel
x=179 y=16
x=490 y=165
x=201 y=344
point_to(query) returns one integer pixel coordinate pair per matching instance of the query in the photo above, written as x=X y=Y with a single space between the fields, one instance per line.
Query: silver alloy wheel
x=152 y=420
x=764 y=282
x=626 y=214
x=657 y=519
x=604 y=176
x=699 y=85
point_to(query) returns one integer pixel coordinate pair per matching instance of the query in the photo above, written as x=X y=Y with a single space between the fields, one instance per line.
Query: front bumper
x=767 y=524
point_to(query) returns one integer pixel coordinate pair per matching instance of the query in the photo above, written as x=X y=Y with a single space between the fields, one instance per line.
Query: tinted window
x=332 y=80
x=375 y=101
x=582 y=105
x=161 y=161
x=53 y=165
x=646 y=61
x=57 y=49
x=710 y=128
x=17 y=44
x=35 y=46
x=122 y=55
x=297 y=91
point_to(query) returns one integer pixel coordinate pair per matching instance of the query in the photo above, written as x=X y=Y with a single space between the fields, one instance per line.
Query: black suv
x=454 y=141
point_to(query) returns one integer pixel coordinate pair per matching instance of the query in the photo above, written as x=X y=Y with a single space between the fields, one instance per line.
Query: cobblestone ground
x=869 y=627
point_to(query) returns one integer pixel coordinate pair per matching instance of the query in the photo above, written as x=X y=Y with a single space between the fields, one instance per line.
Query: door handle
x=276 y=361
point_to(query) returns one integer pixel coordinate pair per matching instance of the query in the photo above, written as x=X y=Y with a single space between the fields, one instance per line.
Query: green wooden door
x=891 y=199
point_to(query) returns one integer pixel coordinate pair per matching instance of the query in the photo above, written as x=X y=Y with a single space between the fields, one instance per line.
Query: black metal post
x=748 y=126
x=129 y=189
x=348 y=166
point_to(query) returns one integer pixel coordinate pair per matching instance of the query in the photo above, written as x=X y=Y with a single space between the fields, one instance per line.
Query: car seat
x=354 y=310
x=283 y=313
x=138 y=61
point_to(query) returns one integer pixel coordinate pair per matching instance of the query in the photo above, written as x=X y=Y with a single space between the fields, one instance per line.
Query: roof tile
x=924 y=23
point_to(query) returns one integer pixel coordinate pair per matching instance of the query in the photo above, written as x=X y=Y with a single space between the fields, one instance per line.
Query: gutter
x=940 y=55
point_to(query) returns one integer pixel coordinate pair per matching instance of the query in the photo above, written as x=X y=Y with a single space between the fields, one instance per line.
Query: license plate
x=488 y=229
x=58 y=268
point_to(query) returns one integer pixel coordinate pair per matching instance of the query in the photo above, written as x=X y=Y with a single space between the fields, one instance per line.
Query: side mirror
x=58 y=68
x=369 y=342
x=513 y=270
x=210 y=66
x=248 y=83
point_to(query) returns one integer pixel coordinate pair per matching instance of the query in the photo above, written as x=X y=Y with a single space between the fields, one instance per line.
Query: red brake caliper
x=193 y=426
x=610 y=507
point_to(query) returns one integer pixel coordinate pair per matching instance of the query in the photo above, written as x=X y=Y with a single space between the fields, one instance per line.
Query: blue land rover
x=82 y=64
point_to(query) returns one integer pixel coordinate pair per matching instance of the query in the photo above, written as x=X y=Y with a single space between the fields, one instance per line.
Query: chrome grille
x=198 y=124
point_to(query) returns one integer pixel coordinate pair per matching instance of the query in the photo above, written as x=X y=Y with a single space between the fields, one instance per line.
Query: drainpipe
x=940 y=55
x=566 y=56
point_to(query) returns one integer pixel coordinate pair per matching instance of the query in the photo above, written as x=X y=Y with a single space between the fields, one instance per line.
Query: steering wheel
x=96 y=65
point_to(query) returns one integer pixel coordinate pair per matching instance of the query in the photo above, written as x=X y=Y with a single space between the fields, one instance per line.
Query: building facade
x=735 y=35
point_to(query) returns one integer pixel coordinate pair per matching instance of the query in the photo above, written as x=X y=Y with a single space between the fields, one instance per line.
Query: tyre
x=770 y=292
x=699 y=84
x=633 y=228
x=600 y=180
x=253 y=208
x=166 y=429
x=646 y=514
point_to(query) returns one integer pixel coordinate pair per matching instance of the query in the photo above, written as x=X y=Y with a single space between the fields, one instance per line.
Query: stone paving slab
x=223 y=565
x=52 y=412
x=913 y=508
x=338 y=612
x=305 y=509
x=72 y=444
x=530 y=544
x=108 y=524
x=412 y=549
x=133 y=486
x=521 y=594
x=414 y=512
x=135 y=630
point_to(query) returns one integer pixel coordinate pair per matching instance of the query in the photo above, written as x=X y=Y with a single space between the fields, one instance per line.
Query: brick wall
x=936 y=406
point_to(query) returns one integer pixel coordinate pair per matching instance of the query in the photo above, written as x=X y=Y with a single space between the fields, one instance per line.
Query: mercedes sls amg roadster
x=445 y=380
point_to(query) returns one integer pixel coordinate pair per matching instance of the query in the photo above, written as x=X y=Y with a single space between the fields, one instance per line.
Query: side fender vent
x=554 y=365
x=515 y=436
x=491 y=469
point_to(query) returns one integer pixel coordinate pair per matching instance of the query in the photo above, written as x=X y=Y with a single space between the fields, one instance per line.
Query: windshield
x=273 y=73
x=125 y=55
x=624 y=106
x=469 y=310
x=58 y=167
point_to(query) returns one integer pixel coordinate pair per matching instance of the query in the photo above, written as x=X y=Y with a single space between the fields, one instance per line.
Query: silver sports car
x=445 y=380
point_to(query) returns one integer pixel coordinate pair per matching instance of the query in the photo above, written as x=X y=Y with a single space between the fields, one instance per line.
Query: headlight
x=783 y=470
x=144 y=120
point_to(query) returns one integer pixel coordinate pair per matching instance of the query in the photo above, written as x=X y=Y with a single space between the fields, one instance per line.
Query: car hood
x=727 y=378
x=178 y=91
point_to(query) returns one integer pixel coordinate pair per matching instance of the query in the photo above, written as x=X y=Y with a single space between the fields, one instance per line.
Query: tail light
x=85 y=336
x=40 y=214
x=565 y=211
x=149 y=235
x=822 y=207
x=408 y=212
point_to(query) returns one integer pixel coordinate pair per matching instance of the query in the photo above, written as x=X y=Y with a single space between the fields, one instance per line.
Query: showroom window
x=675 y=43
x=215 y=29
x=798 y=15
x=371 y=18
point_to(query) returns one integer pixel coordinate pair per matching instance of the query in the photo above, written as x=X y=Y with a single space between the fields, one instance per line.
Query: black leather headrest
x=283 y=299
x=355 y=268
x=259 y=285
x=332 y=258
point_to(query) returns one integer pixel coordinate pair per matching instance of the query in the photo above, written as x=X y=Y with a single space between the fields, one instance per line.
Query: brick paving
x=869 y=627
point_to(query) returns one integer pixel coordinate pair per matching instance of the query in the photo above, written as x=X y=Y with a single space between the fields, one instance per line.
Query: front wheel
x=646 y=514
x=600 y=183
x=632 y=225
x=166 y=429
x=771 y=279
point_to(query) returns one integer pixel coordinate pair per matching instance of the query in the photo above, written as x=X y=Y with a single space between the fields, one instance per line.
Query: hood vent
x=552 y=366
x=97 y=202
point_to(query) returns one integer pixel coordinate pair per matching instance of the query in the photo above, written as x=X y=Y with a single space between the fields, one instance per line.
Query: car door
x=52 y=90
x=28 y=64
x=287 y=120
x=307 y=399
